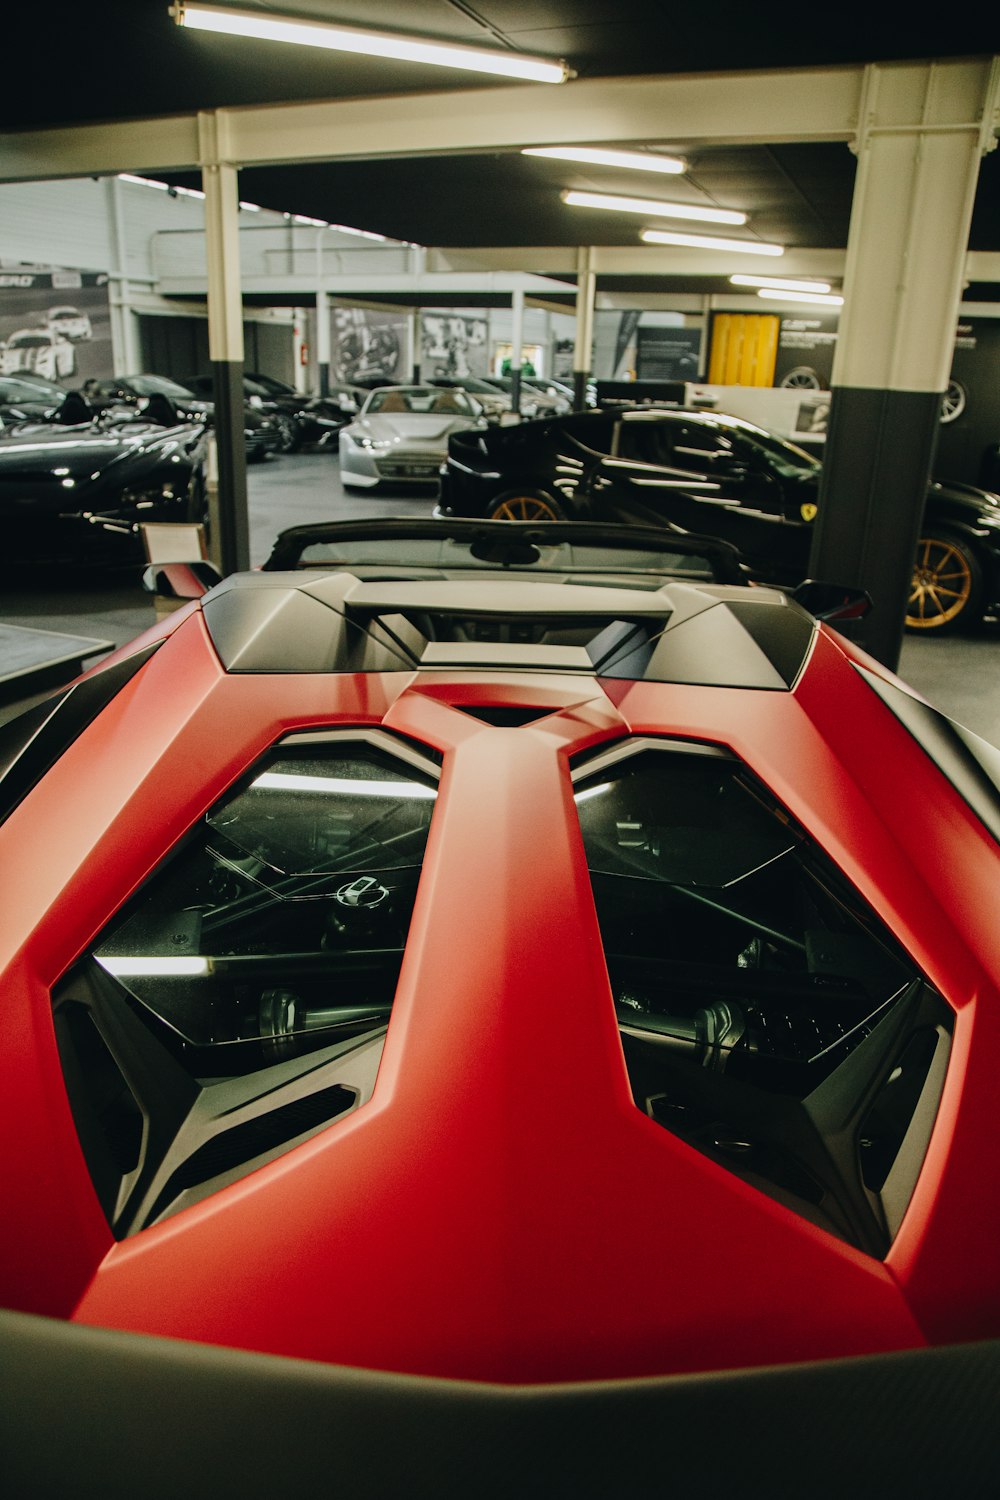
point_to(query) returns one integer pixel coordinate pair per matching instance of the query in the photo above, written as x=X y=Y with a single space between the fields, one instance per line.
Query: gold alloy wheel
x=942 y=584
x=524 y=508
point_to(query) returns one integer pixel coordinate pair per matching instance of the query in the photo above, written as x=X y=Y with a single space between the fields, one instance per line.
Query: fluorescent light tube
x=709 y=242
x=652 y=208
x=806 y=298
x=369 y=43
x=603 y=156
x=780 y=284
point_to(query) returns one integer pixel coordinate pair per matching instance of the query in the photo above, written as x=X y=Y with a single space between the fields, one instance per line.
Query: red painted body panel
x=501 y=1209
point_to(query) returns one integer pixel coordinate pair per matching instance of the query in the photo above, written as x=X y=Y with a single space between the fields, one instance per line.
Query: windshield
x=620 y=556
x=419 y=400
x=13 y=388
x=770 y=443
x=155 y=385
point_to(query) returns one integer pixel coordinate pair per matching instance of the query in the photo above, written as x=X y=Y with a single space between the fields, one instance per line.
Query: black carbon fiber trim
x=971 y=764
x=35 y=740
x=682 y=633
x=85 y=1411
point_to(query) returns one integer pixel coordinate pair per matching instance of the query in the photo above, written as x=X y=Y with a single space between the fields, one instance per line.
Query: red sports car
x=506 y=956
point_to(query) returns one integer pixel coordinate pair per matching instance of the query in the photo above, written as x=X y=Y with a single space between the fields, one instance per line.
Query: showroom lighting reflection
x=286 y=781
x=651 y=208
x=709 y=242
x=807 y=299
x=134 y=967
x=781 y=284
x=271 y=28
x=603 y=156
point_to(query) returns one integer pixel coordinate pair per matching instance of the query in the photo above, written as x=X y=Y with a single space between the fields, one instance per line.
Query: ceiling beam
x=803 y=104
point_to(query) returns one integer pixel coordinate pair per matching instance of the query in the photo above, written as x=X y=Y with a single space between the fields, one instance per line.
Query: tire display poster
x=805 y=351
x=55 y=323
x=667 y=353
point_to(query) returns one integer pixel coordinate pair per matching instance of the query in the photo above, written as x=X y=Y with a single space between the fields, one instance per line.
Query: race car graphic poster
x=367 y=345
x=55 y=324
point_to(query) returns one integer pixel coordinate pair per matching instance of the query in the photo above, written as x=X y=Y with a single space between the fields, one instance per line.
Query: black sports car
x=718 y=475
x=78 y=493
x=27 y=398
x=315 y=419
x=260 y=430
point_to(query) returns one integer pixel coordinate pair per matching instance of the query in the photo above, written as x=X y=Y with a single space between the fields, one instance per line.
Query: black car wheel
x=525 y=505
x=947 y=588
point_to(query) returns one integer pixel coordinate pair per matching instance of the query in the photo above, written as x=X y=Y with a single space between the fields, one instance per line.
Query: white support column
x=586 y=294
x=124 y=334
x=230 y=524
x=922 y=131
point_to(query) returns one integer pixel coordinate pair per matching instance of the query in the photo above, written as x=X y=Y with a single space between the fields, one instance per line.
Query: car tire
x=526 y=505
x=946 y=593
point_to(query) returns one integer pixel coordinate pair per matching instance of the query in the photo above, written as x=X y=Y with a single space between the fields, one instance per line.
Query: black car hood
x=69 y=454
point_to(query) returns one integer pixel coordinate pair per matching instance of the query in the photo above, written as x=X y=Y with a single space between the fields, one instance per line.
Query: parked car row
x=715 y=475
x=75 y=492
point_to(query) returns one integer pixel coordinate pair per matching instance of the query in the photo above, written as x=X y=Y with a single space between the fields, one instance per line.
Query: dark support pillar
x=230 y=544
x=922 y=129
x=233 y=543
x=586 y=291
x=879 y=453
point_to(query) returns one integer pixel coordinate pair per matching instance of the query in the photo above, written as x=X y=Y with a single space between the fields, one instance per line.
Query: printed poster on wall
x=453 y=345
x=55 y=324
x=367 y=345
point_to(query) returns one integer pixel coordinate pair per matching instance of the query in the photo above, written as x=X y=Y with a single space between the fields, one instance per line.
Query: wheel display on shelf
x=953 y=401
x=803 y=377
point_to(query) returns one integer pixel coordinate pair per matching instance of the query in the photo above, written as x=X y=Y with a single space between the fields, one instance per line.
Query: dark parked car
x=28 y=398
x=319 y=418
x=260 y=431
x=75 y=493
x=297 y=419
x=718 y=475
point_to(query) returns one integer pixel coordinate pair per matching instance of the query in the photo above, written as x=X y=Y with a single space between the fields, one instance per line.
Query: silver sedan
x=401 y=435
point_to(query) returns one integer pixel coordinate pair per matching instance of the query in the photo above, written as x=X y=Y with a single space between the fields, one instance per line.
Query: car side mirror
x=832 y=601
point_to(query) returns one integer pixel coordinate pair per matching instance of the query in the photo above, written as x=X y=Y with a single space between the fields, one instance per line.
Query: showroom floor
x=959 y=674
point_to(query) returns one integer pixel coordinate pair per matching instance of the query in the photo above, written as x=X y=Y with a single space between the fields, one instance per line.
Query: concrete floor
x=958 y=674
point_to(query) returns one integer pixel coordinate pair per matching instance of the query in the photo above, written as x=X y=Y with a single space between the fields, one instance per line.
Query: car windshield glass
x=29 y=340
x=619 y=556
x=418 y=400
x=773 y=445
x=152 y=385
x=13 y=388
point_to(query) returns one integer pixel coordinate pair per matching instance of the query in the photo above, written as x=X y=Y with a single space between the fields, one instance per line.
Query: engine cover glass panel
x=761 y=1003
